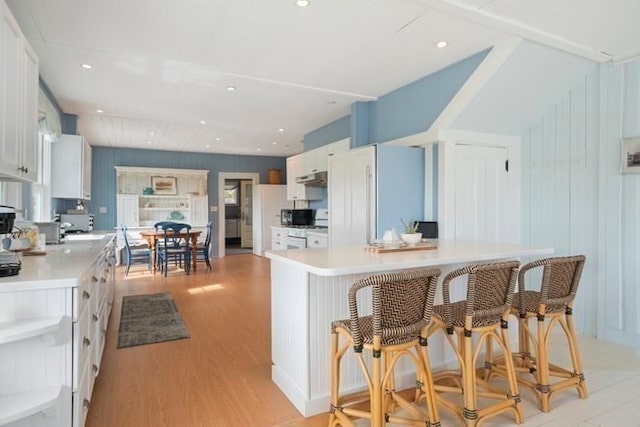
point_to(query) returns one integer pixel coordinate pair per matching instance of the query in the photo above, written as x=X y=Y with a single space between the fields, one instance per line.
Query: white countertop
x=355 y=260
x=62 y=266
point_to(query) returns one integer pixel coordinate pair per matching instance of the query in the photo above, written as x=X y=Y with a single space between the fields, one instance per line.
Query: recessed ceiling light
x=231 y=88
x=99 y=111
x=149 y=142
x=281 y=130
x=207 y=146
x=302 y=3
x=259 y=149
x=203 y=122
x=217 y=138
x=274 y=143
x=87 y=66
x=442 y=44
x=152 y=133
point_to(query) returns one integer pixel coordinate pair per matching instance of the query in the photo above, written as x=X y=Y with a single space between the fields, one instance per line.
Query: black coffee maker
x=9 y=261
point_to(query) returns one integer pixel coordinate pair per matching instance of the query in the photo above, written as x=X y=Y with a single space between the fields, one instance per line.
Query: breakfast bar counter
x=309 y=289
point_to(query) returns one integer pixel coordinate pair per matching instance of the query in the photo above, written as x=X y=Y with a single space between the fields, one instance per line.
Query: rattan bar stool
x=467 y=324
x=551 y=305
x=401 y=305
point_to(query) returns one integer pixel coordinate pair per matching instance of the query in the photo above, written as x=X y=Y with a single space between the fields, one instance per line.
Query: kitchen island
x=53 y=323
x=309 y=289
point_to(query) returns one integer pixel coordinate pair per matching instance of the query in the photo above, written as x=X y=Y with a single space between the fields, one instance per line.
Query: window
x=41 y=189
x=231 y=194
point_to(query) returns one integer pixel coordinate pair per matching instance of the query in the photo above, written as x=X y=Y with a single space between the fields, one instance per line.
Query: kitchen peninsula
x=53 y=323
x=309 y=289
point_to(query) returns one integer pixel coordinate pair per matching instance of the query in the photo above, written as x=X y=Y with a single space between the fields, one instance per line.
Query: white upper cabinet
x=314 y=160
x=71 y=168
x=295 y=168
x=18 y=102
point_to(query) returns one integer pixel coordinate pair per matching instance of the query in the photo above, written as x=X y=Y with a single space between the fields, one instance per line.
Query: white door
x=127 y=213
x=352 y=190
x=481 y=193
x=246 y=214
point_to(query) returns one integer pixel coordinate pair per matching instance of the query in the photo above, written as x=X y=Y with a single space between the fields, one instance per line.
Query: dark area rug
x=147 y=319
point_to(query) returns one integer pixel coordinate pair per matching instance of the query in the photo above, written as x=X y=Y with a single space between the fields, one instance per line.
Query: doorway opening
x=235 y=205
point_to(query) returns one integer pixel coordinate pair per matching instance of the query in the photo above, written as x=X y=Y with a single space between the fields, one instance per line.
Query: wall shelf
x=25 y=329
x=17 y=406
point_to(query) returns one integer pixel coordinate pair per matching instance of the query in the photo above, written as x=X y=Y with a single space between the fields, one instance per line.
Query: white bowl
x=411 y=239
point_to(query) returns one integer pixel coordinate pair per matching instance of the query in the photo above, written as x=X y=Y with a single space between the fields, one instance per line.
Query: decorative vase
x=411 y=239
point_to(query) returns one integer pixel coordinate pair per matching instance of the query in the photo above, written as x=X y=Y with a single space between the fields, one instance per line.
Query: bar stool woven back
x=550 y=305
x=484 y=311
x=401 y=305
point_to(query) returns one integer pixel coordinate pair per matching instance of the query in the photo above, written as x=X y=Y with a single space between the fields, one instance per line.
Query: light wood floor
x=221 y=375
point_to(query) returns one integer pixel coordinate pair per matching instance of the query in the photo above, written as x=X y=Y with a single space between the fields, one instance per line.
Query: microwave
x=77 y=223
x=296 y=217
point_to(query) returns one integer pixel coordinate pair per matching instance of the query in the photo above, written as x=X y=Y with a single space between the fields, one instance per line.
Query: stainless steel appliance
x=297 y=235
x=296 y=217
x=78 y=223
x=317 y=179
x=53 y=232
x=9 y=261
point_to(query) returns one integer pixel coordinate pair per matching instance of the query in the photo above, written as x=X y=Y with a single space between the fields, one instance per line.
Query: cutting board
x=405 y=248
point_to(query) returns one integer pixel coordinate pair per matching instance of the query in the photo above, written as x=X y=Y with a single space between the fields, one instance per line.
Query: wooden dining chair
x=134 y=255
x=172 y=246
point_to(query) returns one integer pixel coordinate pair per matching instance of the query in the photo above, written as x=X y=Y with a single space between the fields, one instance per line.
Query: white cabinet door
x=341 y=146
x=199 y=206
x=295 y=168
x=29 y=150
x=71 y=168
x=314 y=160
x=317 y=240
x=10 y=71
x=481 y=193
x=352 y=197
x=127 y=210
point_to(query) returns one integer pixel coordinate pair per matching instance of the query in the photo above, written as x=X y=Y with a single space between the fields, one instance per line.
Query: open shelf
x=17 y=406
x=24 y=329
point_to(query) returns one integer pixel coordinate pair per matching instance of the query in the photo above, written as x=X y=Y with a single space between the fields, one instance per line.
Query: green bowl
x=147 y=191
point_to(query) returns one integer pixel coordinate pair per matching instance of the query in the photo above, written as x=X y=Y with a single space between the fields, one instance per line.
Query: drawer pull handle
x=86 y=342
x=86 y=403
x=103 y=280
x=94 y=279
x=94 y=368
x=95 y=317
x=86 y=295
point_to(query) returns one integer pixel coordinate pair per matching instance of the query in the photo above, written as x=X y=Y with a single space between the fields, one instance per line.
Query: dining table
x=152 y=237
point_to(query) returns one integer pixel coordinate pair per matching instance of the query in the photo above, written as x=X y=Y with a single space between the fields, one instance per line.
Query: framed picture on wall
x=164 y=185
x=630 y=155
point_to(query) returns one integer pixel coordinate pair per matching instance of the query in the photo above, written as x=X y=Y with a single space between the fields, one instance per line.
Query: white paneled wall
x=575 y=199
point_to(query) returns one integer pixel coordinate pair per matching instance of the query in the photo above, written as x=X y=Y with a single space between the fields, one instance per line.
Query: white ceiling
x=163 y=66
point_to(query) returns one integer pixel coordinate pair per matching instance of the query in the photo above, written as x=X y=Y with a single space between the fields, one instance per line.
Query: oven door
x=296 y=242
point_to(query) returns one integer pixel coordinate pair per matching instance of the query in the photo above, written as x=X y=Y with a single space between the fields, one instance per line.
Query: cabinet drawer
x=82 y=400
x=81 y=299
x=81 y=346
x=317 y=241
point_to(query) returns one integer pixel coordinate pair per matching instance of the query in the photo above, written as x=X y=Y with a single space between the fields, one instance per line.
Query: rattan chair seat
x=458 y=311
x=366 y=329
x=531 y=302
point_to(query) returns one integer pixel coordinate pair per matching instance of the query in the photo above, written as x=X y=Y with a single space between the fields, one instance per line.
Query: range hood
x=317 y=179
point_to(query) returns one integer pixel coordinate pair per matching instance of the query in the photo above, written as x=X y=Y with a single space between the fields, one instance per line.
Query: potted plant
x=410 y=233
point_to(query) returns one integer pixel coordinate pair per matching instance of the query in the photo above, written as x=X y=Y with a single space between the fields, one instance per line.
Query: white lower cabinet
x=278 y=238
x=50 y=360
x=317 y=240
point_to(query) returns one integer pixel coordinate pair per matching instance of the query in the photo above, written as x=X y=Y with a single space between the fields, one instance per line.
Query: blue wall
x=400 y=186
x=334 y=131
x=103 y=174
x=406 y=111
